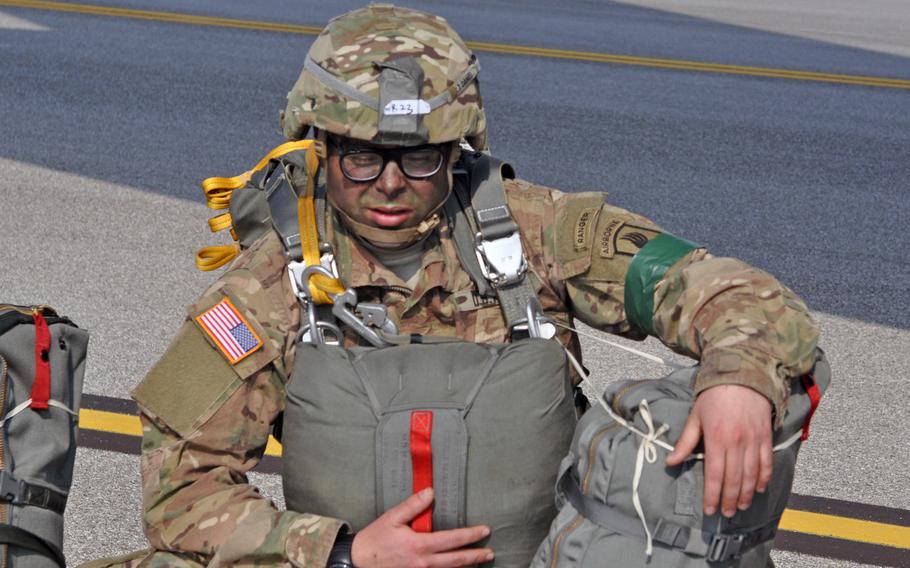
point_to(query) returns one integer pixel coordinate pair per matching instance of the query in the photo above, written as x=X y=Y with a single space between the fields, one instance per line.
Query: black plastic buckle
x=724 y=547
x=11 y=489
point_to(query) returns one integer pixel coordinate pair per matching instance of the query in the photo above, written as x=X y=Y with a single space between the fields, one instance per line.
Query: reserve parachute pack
x=620 y=505
x=42 y=363
x=366 y=426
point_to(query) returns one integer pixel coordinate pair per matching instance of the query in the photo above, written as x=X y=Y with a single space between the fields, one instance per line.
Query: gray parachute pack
x=620 y=505
x=352 y=440
x=42 y=363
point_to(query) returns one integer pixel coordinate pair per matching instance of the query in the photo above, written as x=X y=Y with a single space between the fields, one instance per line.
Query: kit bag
x=599 y=522
x=42 y=361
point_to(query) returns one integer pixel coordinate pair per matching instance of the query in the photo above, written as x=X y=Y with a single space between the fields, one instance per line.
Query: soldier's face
x=392 y=200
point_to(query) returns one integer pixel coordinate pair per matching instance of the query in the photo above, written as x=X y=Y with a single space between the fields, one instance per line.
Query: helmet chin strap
x=393 y=239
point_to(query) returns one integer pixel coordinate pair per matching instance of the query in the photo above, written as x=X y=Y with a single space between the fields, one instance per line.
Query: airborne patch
x=230 y=332
x=629 y=239
x=584 y=225
x=607 y=246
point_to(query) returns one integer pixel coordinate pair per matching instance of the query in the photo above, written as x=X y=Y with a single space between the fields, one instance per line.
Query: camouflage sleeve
x=206 y=422
x=743 y=325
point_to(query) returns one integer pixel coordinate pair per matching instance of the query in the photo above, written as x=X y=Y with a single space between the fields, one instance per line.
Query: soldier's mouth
x=389 y=217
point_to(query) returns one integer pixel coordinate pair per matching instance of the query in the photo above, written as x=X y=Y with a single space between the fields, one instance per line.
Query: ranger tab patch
x=231 y=333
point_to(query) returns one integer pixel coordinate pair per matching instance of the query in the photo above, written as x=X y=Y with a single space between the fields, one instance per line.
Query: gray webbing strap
x=282 y=199
x=321 y=210
x=715 y=547
x=457 y=209
x=494 y=219
x=466 y=78
x=495 y=225
x=513 y=299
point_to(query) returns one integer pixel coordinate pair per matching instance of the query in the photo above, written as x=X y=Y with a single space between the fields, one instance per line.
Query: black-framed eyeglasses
x=364 y=163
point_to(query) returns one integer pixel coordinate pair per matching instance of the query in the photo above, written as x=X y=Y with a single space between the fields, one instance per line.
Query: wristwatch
x=340 y=557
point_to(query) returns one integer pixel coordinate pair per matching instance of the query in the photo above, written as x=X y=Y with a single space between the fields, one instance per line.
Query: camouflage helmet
x=388 y=75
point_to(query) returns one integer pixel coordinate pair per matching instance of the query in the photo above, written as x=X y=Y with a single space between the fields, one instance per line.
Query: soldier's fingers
x=750 y=477
x=467 y=557
x=733 y=479
x=766 y=465
x=714 y=477
x=407 y=510
x=453 y=539
x=689 y=438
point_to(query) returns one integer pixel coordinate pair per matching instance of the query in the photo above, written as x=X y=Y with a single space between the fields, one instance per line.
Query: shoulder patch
x=232 y=320
x=229 y=331
x=576 y=219
x=628 y=239
x=584 y=224
x=618 y=237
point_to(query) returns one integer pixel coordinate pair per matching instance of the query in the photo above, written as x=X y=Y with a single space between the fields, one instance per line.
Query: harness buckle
x=295 y=272
x=724 y=547
x=12 y=490
x=501 y=260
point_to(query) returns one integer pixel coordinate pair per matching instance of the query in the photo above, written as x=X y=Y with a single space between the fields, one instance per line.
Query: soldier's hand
x=389 y=542
x=736 y=424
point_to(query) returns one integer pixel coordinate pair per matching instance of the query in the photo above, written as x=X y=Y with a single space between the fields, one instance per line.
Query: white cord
x=646 y=451
x=23 y=405
x=654 y=358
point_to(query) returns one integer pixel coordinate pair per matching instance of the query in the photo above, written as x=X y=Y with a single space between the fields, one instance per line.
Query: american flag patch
x=230 y=332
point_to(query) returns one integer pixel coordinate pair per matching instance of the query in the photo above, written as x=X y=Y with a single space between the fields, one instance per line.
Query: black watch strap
x=340 y=557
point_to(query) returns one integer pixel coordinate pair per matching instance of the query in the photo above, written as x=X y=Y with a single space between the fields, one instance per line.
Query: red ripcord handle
x=815 y=396
x=422 y=463
x=41 y=388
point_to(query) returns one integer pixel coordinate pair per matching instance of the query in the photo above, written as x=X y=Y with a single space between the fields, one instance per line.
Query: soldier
x=388 y=170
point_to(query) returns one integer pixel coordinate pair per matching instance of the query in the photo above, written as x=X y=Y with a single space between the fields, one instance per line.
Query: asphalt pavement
x=108 y=124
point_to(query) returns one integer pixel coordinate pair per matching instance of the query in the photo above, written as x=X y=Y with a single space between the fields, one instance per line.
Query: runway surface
x=108 y=123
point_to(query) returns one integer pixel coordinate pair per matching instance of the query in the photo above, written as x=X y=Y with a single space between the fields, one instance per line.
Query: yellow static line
x=564 y=54
x=796 y=521
x=126 y=424
x=846 y=528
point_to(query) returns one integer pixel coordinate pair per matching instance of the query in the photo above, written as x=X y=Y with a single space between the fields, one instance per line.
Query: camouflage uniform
x=206 y=422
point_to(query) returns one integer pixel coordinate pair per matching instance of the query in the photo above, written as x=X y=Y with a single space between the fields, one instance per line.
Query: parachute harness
x=218 y=191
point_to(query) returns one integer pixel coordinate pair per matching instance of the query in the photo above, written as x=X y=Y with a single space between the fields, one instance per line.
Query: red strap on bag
x=41 y=388
x=422 y=463
x=815 y=396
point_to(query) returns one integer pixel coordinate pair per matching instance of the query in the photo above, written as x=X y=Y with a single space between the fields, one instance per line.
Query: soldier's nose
x=391 y=181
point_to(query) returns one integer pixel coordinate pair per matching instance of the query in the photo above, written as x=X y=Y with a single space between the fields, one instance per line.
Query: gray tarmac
x=107 y=126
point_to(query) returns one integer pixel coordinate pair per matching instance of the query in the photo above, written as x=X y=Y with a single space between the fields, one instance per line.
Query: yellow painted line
x=162 y=16
x=691 y=65
x=677 y=64
x=126 y=424
x=833 y=526
x=112 y=422
x=846 y=528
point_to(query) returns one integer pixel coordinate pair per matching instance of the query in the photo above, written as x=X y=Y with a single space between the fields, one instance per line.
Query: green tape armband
x=648 y=267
